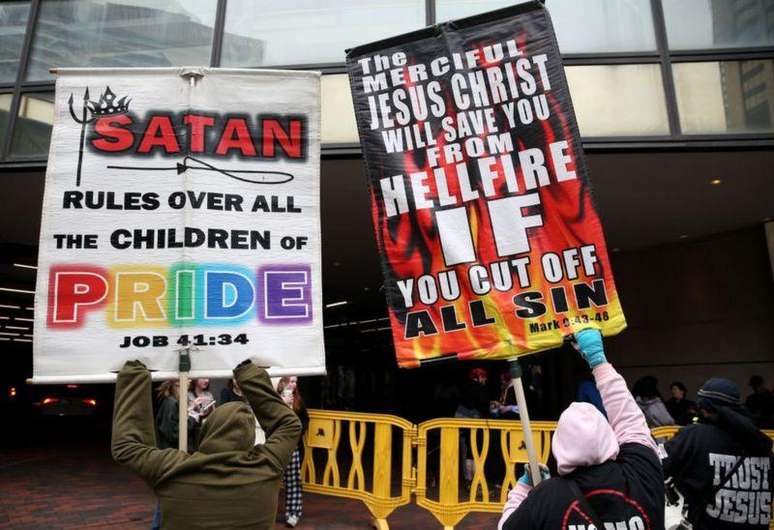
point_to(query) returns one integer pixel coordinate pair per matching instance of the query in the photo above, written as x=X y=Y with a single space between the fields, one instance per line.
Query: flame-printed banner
x=481 y=201
x=181 y=212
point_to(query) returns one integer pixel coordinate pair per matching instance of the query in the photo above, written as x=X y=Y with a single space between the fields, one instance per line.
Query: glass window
x=718 y=23
x=121 y=33
x=5 y=108
x=603 y=26
x=588 y=26
x=725 y=97
x=453 y=9
x=13 y=25
x=618 y=100
x=295 y=32
x=32 y=132
x=338 y=114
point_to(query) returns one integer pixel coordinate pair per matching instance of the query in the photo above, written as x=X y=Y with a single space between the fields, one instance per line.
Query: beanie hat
x=719 y=392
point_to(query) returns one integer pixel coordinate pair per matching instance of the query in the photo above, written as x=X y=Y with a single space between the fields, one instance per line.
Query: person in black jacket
x=682 y=409
x=167 y=423
x=167 y=428
x=473 y=403
x=231 y=392
x=722 y=466
x=608 y=467
x=761 y=403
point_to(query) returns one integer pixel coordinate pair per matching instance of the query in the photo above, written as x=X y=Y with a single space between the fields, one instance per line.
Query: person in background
x=167 y=424
x=228 y=482
x=761 y=403
x=201 y=402
x=609 y=473
x=648 y=398
x=287 y=388
x=474 y=397
x=231 y=392
x=168 y=427
x=474 y=403
x=588 y=393
x=682 y=409
x=506 y=407
x=723 y=465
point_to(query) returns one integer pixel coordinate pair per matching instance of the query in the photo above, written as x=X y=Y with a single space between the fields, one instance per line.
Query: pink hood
x=583 y=437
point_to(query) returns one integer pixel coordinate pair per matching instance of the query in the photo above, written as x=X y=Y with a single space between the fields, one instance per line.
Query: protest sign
x=490 y=244
x=181 y=211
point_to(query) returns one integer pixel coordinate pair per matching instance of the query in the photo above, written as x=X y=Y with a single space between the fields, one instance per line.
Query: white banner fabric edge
x=204 y=70
x=162 y=376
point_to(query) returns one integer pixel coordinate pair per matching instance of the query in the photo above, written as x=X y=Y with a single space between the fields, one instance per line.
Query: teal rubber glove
x=590 y=346
x=526 y=477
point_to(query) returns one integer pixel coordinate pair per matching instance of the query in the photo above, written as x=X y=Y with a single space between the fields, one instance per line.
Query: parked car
x=66 y=400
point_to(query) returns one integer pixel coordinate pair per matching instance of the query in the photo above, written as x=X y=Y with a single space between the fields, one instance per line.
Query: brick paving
x=75 y=484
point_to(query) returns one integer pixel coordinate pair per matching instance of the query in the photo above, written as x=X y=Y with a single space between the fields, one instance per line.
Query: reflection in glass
x=5 y=107
x=338 y=124
x=295 y=32
x=587 y=26
x=719 y=23
x=725 y=97
x=618 y=100
x=13 y=25
x=453 y=9
x=121 y=33
x=32 y=132
x=596 y=26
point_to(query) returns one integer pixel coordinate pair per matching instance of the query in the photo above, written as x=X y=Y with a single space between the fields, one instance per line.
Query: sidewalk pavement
x=79 y=486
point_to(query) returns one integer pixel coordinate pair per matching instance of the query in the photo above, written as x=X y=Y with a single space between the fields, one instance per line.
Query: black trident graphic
x=90 y=111
x=84 y=120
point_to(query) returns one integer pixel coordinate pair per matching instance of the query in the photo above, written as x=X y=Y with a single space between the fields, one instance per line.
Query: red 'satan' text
x=267 y=136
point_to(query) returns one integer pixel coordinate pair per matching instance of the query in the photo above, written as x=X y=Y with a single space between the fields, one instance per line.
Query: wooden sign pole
x=182 y=400
x=521 y=401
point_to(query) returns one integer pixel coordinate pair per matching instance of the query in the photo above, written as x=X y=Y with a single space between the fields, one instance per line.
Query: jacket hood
x=754 y=441
x=230 y=427
x=583 y=438
x=647 y=401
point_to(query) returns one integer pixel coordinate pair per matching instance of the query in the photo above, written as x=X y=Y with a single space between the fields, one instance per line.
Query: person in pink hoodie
x=610 y=474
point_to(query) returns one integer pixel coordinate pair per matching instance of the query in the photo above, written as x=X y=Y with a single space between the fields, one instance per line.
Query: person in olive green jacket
x=228 y=482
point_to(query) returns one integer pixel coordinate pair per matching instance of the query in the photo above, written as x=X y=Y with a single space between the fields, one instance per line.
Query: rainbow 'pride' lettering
x=183 y=295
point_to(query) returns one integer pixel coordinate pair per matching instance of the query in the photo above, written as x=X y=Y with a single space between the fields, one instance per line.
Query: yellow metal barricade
x=343 y=467
x=488 y=440
x=665 y=433
x=336 y=444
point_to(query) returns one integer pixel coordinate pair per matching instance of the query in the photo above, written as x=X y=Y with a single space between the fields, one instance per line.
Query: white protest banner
x=181 y=211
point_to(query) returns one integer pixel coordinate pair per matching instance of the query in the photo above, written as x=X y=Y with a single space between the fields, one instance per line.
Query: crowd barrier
x=325 y=456
x=353 y=454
